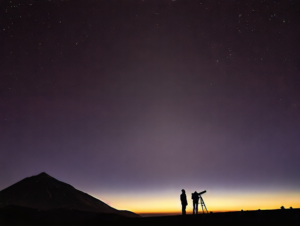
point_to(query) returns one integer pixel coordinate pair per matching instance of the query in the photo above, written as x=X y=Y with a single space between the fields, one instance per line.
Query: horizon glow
x=164 y=203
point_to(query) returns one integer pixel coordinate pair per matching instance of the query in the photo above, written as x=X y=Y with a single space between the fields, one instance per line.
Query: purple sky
x=138 y=96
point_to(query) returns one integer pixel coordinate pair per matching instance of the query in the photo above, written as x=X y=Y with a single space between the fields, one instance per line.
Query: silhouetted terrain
x=41 y=196
x=261 y=217
x=43 y=200
x=26 y=216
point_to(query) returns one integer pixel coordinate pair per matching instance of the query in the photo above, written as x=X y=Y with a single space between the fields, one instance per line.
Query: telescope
x=202 y=201
x=202 y=192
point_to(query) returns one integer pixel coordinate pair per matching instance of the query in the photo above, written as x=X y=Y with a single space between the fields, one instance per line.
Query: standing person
x=195 y=198
x=183 y=201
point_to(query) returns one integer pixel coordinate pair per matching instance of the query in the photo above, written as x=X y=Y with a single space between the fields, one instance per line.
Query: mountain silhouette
x=43 y=192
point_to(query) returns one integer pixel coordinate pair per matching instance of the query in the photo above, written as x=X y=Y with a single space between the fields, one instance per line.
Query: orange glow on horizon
x=163 y=203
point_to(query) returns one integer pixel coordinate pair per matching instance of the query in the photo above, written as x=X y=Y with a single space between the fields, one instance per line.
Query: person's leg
x=196 y=208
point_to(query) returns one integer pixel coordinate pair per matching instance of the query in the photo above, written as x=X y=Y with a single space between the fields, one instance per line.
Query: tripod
x=202 y=204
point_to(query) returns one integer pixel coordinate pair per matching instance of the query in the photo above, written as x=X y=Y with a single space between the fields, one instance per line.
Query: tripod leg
x=204 y=206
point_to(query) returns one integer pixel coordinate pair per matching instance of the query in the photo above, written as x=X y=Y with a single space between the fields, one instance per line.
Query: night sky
x=132 y=101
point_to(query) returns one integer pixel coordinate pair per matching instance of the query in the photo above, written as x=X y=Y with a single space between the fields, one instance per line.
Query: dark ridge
x=45 y=193
x=43 y=174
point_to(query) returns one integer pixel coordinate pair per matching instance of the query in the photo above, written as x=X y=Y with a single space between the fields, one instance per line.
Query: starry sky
x=132 y=101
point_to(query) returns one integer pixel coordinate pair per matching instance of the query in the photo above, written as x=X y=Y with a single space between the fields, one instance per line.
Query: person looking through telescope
x=195 y=197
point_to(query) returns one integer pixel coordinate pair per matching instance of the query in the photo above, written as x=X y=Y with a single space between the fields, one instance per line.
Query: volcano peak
x=44 y=192
x=43 y=174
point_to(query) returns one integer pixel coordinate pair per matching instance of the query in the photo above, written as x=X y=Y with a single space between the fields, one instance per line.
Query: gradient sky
x=131 y=101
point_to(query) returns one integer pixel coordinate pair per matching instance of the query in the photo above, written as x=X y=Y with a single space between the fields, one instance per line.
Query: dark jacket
x=195 y=197
x=183 y=199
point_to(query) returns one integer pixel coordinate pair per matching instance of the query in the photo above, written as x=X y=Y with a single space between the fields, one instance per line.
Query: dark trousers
x=195 y=207
x=183 y=209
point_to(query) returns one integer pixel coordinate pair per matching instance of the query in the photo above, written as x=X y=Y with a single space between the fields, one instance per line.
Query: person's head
x=195 y=192
x=183 y=191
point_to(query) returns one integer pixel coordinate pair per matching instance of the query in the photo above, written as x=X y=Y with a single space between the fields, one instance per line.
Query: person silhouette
x=184 y=202
x=195 y=198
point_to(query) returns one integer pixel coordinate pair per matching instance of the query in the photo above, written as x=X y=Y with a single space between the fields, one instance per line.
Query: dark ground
x=24 y=216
